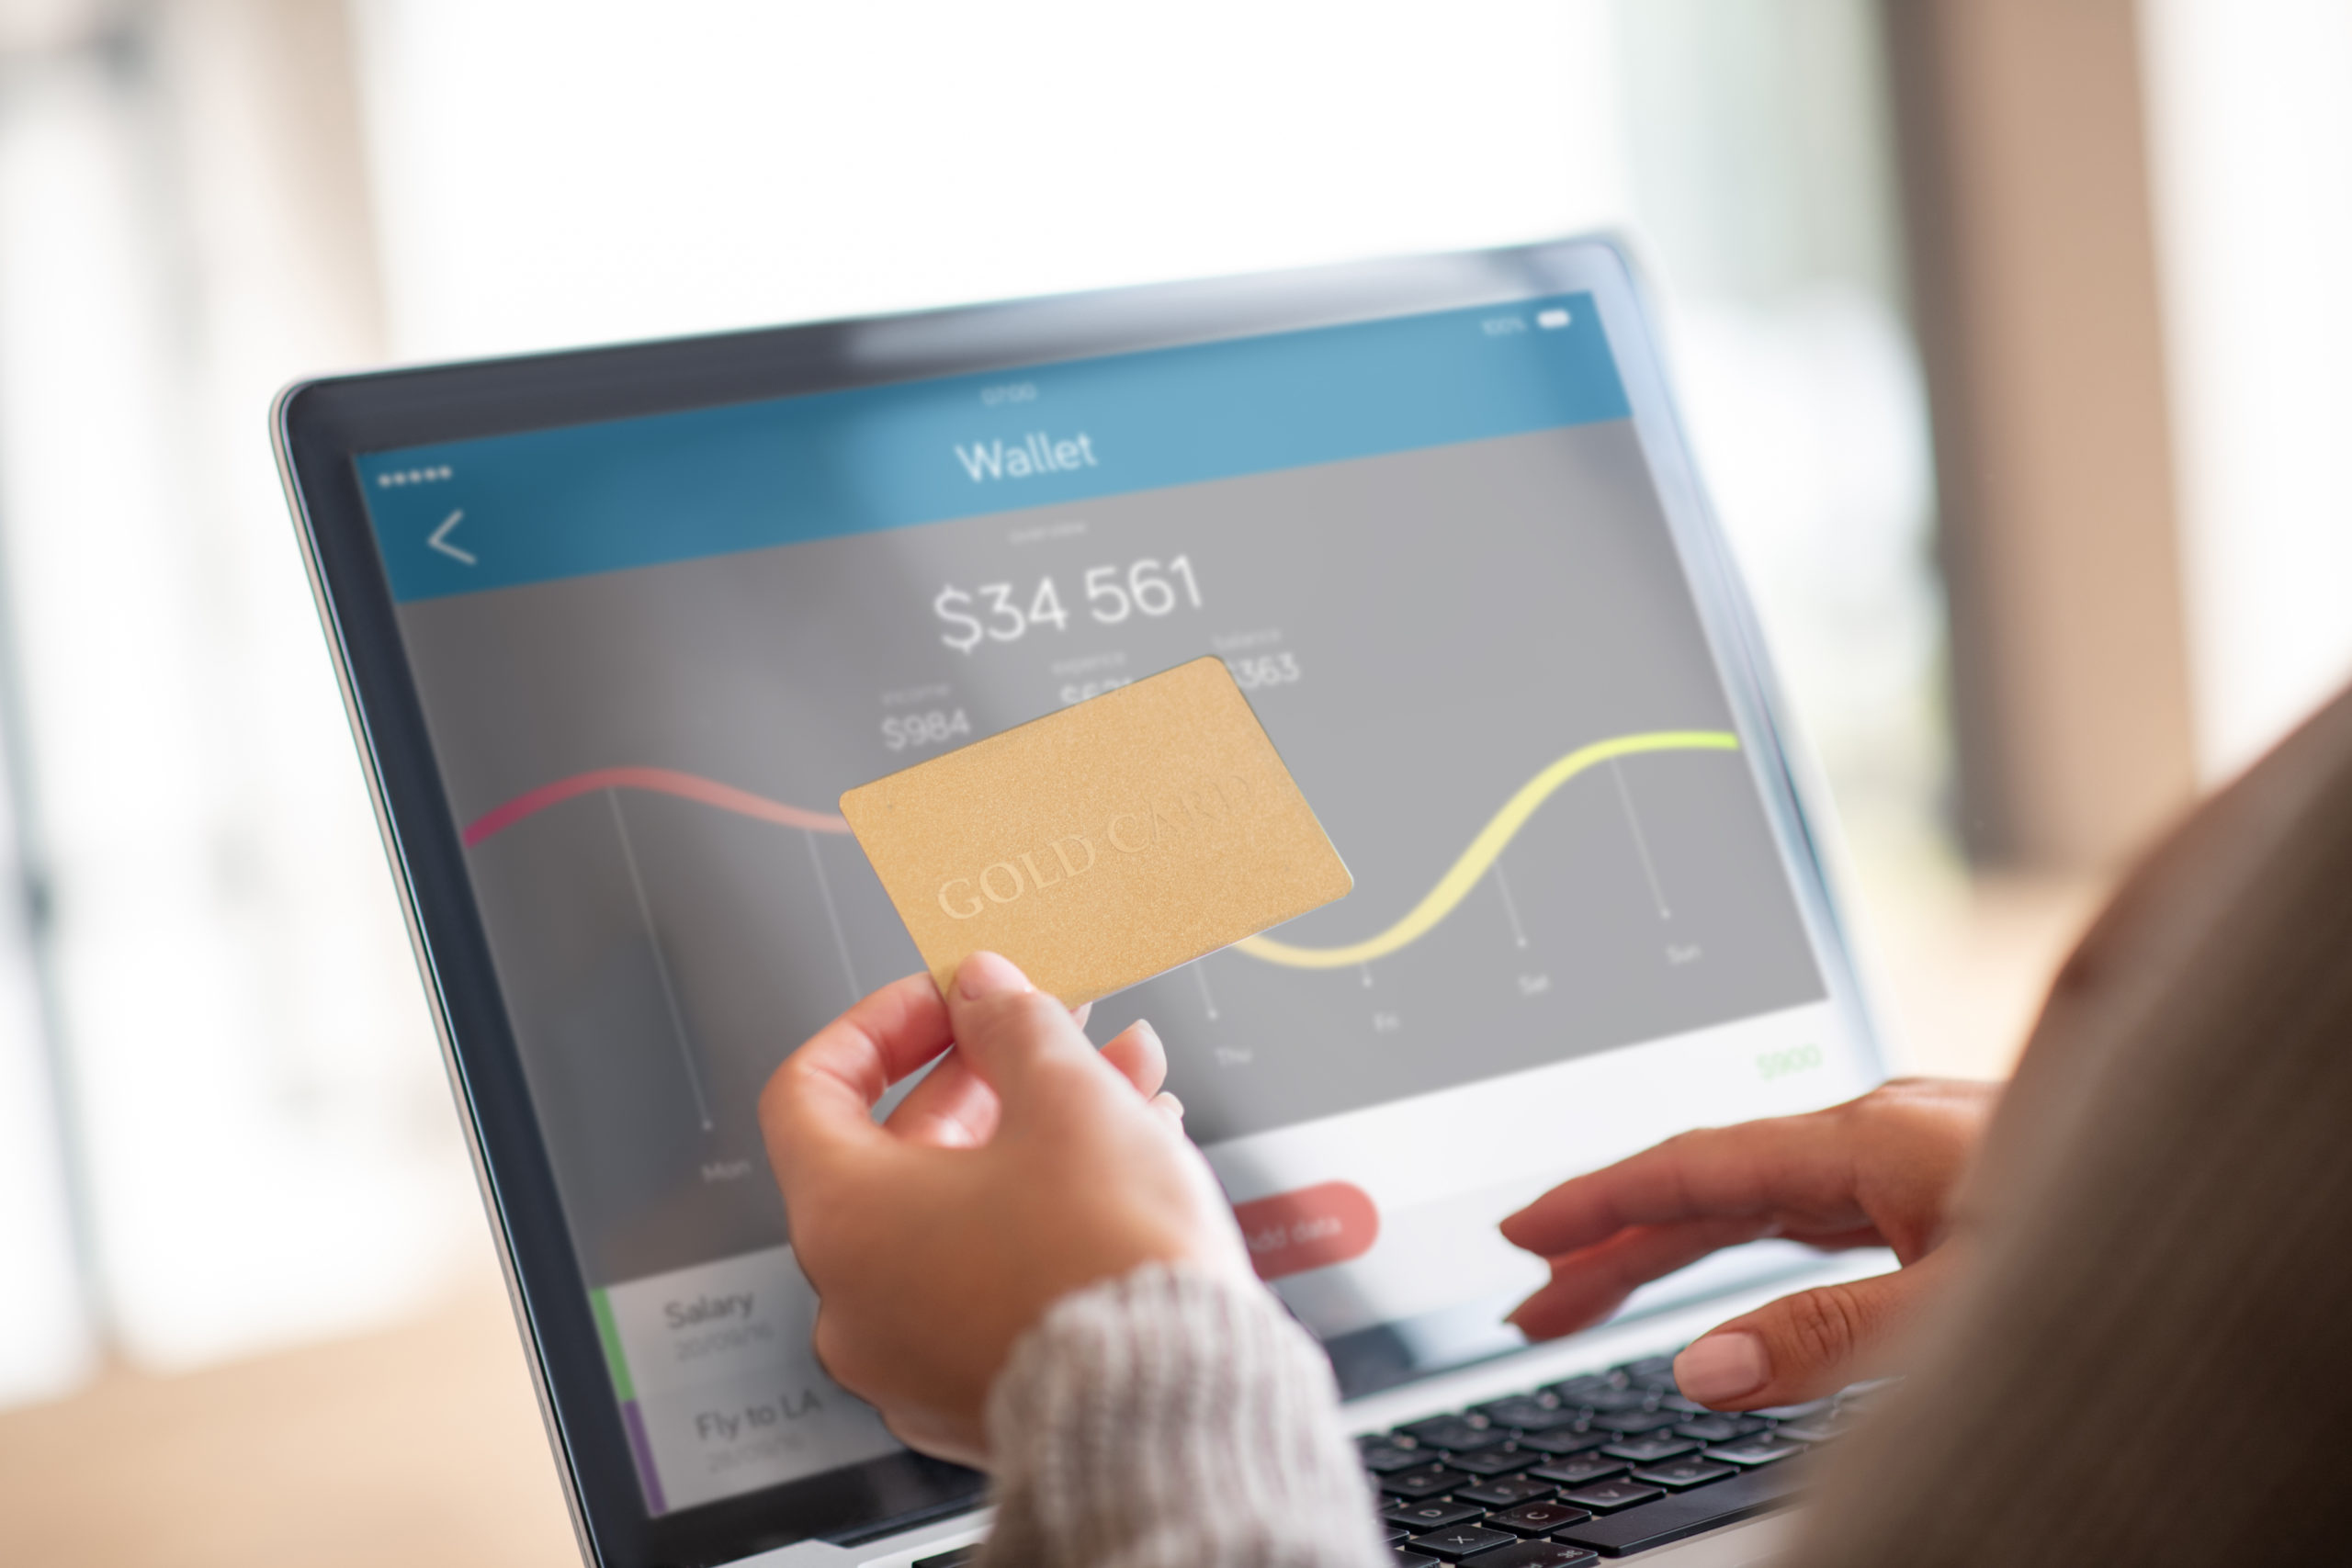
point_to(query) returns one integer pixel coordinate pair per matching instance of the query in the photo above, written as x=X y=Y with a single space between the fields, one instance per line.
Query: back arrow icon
x=440 y=539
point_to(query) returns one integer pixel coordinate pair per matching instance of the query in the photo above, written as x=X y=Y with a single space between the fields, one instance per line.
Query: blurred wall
x=2127 y=232
x=2034 y=278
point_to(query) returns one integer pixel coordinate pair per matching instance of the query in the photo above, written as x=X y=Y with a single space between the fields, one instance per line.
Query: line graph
x=1493 y=838
x=611 y=783
x=1472 y=864
x=657 y=780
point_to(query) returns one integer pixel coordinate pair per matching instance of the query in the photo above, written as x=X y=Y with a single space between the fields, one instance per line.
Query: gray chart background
x=1459 y=618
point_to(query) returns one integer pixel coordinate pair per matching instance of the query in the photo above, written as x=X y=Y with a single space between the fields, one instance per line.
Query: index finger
x=822 y=1097
x=1796 y=1166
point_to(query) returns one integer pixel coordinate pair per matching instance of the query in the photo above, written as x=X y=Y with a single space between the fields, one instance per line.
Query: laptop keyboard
x=1598 y=1466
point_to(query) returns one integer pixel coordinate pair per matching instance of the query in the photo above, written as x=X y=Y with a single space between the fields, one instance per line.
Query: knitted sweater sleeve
x=1171 y=1418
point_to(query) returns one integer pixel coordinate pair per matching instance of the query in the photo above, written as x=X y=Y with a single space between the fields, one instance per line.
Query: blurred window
x=2250 y=110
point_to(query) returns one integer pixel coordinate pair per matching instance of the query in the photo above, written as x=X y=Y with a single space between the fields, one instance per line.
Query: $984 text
x=934 y=728
x=998 y=611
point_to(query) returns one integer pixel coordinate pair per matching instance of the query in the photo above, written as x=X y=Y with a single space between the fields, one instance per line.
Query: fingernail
x=1170 y=1103
x=1721 y=1368
x=990 y=974
x=1142 y=1026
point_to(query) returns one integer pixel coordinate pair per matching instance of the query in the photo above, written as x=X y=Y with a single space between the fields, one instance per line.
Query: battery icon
x=1552 y=321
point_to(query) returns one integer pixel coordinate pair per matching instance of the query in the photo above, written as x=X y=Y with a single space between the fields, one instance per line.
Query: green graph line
x=1492 y=840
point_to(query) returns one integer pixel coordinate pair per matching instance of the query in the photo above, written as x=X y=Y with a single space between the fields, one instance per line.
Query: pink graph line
x=661 y=781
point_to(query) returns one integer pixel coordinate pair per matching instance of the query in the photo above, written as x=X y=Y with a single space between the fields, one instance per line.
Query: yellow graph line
x=1464 y=874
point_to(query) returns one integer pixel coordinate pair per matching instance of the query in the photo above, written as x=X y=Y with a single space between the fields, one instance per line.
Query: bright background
x=223 y=1128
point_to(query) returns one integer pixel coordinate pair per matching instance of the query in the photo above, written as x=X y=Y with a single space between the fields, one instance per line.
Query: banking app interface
x=652 y=653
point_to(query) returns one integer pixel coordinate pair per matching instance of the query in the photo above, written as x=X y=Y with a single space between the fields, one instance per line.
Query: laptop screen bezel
x=322 y=426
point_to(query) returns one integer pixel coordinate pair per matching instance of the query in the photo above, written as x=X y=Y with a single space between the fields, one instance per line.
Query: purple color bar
x=646 y=1475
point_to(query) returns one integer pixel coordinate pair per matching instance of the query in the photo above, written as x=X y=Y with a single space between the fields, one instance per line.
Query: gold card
x=1103 y=844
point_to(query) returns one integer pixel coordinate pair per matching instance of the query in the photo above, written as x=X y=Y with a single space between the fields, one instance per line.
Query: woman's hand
x=1027 y=1166
x=1877 y=1171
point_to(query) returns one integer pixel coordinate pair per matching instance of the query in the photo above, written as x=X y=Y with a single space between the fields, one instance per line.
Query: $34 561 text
x=997 y=612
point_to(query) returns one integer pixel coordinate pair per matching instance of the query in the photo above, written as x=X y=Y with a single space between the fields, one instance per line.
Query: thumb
x=1017 y=1039
x=1808 y=1345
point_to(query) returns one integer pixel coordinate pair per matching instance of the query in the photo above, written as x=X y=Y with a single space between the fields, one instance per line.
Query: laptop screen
x=652 y=652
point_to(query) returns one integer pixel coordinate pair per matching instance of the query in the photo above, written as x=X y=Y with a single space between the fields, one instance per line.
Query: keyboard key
x=1682 y=1406
x=1607 y=1496
x=1529 y=1413
x=1651 y=1449
x=1392 y=1535
x=1686 y=1513
x=1765 y=1447
x=1420 y=1518
x=1503 y=1491
x=1681 y=1475
x=1612 y=1401
x=1633 y=1423
x=1796 y=1411
x=1815 y=1428
x=1648 y=1367
x=1461 y=1541
x=1573 y=1389
x=1494 y=1462
x=1533 y=1554
x=1407 y=1558
x=1385 y=1458
x=1718 y=1428
x=1426 y=1482
x=1538 y=1518
x=1454 y=1432
x=1565 y=1442
x=1582 y=1470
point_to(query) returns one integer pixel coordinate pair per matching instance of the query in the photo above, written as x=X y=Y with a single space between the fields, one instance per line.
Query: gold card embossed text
x=1103 y=844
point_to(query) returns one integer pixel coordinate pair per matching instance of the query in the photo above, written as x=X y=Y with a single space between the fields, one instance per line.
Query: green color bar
x=607 y=1331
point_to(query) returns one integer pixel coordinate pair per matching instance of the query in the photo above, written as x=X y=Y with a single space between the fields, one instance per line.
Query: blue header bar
x=463 y=516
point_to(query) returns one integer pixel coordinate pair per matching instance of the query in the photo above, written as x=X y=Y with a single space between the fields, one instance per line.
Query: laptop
x=617 y=627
